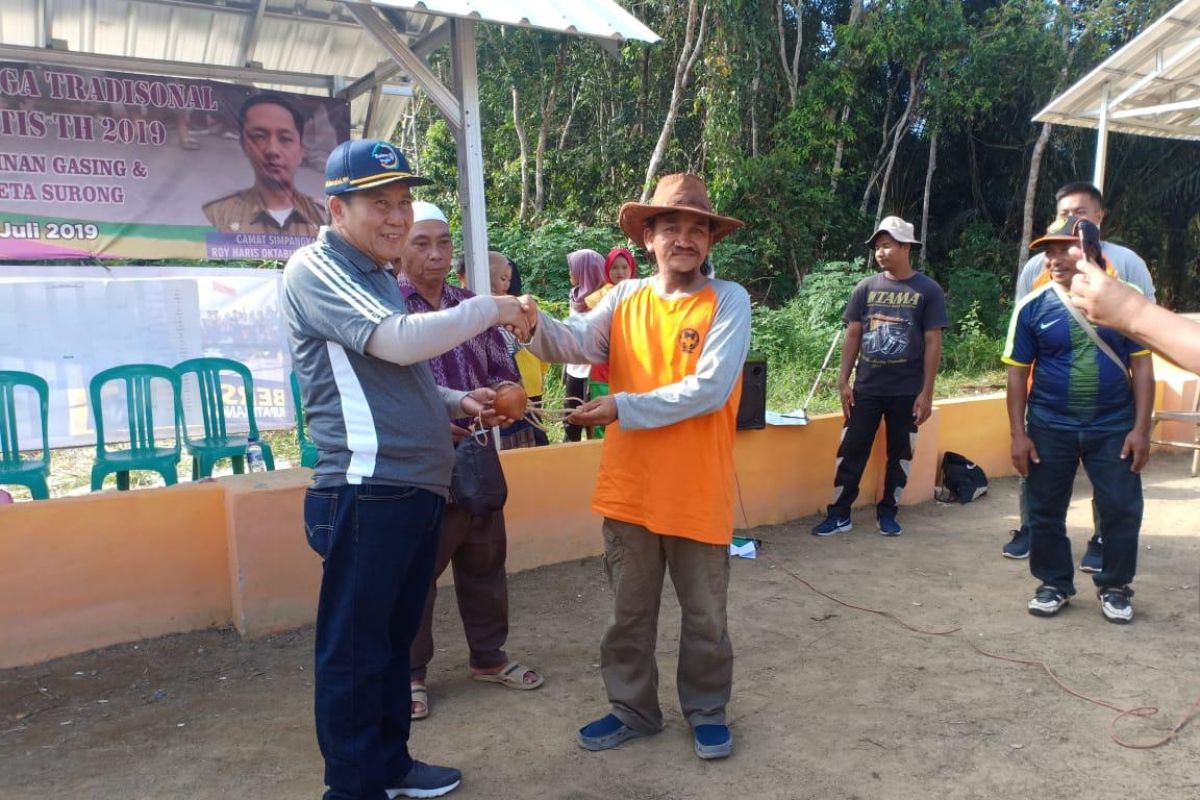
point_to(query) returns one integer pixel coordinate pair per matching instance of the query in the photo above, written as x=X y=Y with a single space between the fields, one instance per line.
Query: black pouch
x=477 y=484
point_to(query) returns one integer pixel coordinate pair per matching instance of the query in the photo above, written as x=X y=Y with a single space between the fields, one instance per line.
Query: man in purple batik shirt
x=476 y=545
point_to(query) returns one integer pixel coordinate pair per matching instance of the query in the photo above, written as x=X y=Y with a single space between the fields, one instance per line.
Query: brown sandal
x=512 y=676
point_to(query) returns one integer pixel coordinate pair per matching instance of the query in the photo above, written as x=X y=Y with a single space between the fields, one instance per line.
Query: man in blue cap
x=382 y=428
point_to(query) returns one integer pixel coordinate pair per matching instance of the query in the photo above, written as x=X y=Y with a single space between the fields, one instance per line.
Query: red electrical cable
x=1121 y=713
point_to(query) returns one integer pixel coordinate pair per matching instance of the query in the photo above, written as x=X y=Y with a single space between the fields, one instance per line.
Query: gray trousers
x=636 y=560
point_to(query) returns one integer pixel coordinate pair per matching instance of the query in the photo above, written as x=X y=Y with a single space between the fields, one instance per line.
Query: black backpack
x=962 y=480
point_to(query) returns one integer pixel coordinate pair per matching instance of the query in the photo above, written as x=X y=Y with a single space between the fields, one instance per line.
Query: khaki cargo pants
x=636 y=560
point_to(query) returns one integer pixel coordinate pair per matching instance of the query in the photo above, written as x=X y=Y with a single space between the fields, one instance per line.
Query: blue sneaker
x=713 y=741
x=832 y=525
x=426 y=780
x=1093 y=557
x=606 y=733
x=1019 y=546
x=888 y=525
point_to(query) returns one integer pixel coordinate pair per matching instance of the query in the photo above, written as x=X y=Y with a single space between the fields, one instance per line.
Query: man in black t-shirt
x=894 y=323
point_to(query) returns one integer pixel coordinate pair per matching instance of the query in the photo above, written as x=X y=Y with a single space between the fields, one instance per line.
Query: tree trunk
x=523 y=142
x=754 y=84
x=693 y=42
x=914 y=91
x=566 y=128
x=856 y=11
x=791 y=72
x=836 y=172
x=1035 y=169
x=1070 y=44
x=539 y=163
x=887 y=132
x=933 y=137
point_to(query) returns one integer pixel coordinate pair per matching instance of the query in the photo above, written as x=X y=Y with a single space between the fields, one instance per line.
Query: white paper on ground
x=743 y=548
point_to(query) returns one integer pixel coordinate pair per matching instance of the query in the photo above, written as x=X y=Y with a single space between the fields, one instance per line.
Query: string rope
x=1121 y=713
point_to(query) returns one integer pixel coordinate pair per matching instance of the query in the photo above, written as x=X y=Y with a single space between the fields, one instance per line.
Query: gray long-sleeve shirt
x=586 y=337
x=373 y=408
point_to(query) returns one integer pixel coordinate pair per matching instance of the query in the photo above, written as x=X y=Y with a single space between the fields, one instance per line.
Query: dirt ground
x=828 y=702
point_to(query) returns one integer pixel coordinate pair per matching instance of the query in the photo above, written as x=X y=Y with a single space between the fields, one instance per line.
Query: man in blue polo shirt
x=1091 y=400
x=382 y=428
x=1082 y=200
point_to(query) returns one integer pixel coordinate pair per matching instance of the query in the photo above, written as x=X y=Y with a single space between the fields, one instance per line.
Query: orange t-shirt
x=677 y=480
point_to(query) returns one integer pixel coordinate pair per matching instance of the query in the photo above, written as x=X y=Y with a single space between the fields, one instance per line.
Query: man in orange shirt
x=675 y=344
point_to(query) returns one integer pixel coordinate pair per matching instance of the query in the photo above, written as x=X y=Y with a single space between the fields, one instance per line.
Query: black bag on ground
x=477 y=484
x=962 y=480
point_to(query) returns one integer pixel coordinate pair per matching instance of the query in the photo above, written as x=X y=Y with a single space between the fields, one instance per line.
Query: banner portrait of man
x=271 y=132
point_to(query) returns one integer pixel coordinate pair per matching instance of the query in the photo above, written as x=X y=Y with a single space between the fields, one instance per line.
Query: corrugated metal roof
x=1152 y=83
x=314 y=37
x=602 y=19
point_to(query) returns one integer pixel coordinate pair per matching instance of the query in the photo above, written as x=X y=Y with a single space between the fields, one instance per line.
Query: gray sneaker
x=1047 y=601
x=1115 y=605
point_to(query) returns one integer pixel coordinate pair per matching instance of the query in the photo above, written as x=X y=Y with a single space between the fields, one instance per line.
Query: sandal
x=512 y=676
x=420 y=694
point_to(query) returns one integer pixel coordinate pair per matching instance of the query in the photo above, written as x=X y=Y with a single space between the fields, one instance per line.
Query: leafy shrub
x=968 y=348
x=980 y=249
x=826 y=289
x=541 y=253
x=976 y=297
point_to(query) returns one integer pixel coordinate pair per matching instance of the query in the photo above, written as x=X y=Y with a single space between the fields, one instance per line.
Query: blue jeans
x=1118 y=505
x=378 y=544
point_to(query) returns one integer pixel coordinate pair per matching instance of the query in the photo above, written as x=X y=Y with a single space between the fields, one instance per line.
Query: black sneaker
x=426 y=780
x=1019 y=546
x=1093 y=557
x=1047 y=601
x=1115 y=605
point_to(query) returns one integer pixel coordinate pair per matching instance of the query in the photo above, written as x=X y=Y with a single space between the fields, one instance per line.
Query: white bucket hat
x=898 y=229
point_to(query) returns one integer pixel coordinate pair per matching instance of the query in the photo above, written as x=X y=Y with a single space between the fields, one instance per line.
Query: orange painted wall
x=273 y=575
x=548 y=515
x=977 y=427
x=85 y=572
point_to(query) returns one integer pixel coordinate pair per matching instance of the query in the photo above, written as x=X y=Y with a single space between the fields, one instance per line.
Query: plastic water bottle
x=254 y=456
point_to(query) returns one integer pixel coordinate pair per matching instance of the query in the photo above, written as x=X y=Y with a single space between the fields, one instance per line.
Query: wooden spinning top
x=511 y=400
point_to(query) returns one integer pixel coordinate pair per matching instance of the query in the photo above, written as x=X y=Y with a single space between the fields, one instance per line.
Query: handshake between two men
x=519 y=316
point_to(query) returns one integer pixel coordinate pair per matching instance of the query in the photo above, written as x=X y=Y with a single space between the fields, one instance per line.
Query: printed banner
x=68 y=323
x=112 y=165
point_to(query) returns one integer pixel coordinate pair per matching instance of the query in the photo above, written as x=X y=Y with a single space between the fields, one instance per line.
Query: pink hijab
x=587 y=268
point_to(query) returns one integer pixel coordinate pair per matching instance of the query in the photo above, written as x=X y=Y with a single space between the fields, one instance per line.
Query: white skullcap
x=423 y=212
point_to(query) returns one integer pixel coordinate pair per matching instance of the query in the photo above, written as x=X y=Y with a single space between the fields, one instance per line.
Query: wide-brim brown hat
x=679 y=192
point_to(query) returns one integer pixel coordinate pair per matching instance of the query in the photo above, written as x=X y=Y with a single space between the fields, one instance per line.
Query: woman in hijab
x=586 y=268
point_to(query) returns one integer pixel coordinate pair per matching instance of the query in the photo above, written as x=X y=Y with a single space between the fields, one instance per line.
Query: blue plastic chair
x=30 y=472
x=217 y=442
x=143 y=452
x=308 y=450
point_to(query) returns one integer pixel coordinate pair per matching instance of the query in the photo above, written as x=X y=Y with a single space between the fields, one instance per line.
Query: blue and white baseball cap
x=366 y=163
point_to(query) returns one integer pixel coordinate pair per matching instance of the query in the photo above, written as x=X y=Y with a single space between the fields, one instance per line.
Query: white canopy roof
x=309 y=46
x=1150 y=87
x=601 y=20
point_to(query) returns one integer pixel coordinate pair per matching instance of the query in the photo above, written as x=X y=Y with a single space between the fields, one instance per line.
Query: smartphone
x=1089 y=240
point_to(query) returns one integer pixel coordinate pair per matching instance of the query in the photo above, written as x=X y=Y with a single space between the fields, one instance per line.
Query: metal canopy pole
x=469 y=139
x=384 y=33
x=1101 y=141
